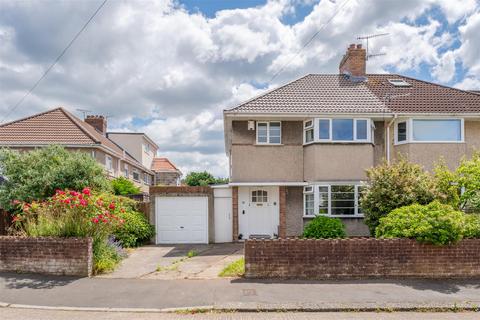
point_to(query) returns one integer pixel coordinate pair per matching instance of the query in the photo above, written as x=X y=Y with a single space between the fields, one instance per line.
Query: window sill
x=356 y=216
x=338 y=142
x=269 y=144
x=428 y=142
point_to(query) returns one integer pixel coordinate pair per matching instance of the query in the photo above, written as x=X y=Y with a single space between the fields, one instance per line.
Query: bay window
x=336 y=200
x=337 y=130
x=429 y=131
x=269 y=132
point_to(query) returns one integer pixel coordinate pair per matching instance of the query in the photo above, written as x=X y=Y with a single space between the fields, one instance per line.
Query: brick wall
x=166 y=178
x=57 y=256
x=360 y=258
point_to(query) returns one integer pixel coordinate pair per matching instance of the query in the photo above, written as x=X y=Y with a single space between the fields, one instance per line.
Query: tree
x=203 y=179
x=37 y=174
x=123 y=187
x=392 y=186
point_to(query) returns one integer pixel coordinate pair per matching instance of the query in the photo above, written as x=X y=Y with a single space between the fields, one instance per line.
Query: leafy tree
x=393 y=186
x=122 y=187
x=37 y=174
x=203 y=178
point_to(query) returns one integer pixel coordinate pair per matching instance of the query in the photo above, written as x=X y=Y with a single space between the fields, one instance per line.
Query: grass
x=175 y=264
x=192 y=253
x=234 y=269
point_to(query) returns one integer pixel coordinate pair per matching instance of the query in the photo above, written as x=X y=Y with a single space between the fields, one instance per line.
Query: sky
x=169 y=68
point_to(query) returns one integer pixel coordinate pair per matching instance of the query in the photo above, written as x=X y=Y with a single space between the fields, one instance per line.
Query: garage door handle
x=181 y=227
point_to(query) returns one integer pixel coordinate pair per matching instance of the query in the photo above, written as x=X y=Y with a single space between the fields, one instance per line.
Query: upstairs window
x=269 y=132
x=338 y=130
x=429 y=131
x=308 y=131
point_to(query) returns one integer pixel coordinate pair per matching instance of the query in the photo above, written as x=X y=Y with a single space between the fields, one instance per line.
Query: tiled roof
x=335 y=93
x=57 y=126
x=162 y=165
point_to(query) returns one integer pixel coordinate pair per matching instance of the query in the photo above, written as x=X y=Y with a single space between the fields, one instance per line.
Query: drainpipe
x=387 y=143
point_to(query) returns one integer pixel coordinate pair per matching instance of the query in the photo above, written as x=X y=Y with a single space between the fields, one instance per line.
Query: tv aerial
x=85 y=112
x=366 y=38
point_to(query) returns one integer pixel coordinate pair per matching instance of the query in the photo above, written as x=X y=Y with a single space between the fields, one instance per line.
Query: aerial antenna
x=85 y=112
x=370 y=37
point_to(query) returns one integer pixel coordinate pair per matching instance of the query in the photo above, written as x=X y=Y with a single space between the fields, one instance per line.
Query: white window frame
x=308 y=128
x=109 y=163
x=315 y=189
x=125 y=170
x=146 y=147
x=134 y=170
x=146 y=179
x=268 y=132
x=410 y=139
x=316 y=137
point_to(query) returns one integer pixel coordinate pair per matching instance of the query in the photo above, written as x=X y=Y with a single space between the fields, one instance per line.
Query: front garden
x=52 y=192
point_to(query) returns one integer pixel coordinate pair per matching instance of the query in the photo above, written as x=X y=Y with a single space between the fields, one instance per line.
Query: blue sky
x=169 y=67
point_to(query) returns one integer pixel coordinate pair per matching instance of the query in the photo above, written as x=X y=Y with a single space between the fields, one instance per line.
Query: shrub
x=394 y=186
x=106 y=255
x=322 y=227
x=123 y=187
x=35 y=175
x=472 y=226
x=202 y=179
x=135 y=230
x=434 y=223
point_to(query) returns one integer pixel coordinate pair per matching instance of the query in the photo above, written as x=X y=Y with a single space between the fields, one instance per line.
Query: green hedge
x=322 y=227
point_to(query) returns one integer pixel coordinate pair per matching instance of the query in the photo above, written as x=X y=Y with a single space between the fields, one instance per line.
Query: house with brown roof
x=58 y=126
x=301 y=150
x=166 y=173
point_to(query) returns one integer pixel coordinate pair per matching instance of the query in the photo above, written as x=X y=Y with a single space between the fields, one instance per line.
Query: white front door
x=181 y=219
x=223 y=214
x=258 y=211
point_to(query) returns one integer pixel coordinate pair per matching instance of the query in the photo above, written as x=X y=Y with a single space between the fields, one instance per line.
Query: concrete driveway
x=169 y=262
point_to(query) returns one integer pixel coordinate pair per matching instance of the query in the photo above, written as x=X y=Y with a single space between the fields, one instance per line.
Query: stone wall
x=360 y=258
x=56 y=256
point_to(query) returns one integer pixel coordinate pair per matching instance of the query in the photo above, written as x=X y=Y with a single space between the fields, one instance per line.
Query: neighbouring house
x=58 y=126
x=302 y=149
x=166 y=173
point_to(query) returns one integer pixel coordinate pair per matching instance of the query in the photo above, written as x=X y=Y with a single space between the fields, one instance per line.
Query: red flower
x=67 y=201
x=86 y=191
x=15 y=202
x=95 y=220
x=83 y=202
x=60 y=192
x=15 y=219
x=73 y=193
x=112 y=206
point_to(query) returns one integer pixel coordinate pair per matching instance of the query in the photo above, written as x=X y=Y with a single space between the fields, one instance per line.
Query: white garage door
x=181 y=219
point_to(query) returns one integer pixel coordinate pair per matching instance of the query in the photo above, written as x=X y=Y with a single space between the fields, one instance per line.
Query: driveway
x=174 y=262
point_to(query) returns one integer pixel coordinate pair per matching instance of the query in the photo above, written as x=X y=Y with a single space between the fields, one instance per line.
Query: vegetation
x=123 y=187
x=110 y=220
x=472 y=226
x=434 y=223
x=322 y=227
x=202 y=179
x=394 y=186
x=35 y=175
x=234 y=269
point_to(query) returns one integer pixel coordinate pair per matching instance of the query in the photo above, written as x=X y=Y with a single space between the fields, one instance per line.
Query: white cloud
x=176 y=71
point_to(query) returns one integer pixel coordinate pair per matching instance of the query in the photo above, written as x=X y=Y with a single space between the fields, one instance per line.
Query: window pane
x=309 y=204
x=323 y=200
x=262 y=133
x=402 y=131
x=324 y=129
x=437 y=130
x=308 y=124
x=343 y=200
x=309 y=135
x=274 y=139
x=360 y=191
x=342 y=129
x=362 y=129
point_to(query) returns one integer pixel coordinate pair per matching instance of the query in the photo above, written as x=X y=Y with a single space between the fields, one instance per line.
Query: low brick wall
x=360 y=258
x=57 y=256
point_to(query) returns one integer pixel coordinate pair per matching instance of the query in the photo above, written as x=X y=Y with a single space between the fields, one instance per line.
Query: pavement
x=237 y=294
x=171 y=262
x=28 y=314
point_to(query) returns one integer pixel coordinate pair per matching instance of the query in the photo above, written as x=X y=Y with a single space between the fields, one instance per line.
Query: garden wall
x=360 y=258
x=57 y=256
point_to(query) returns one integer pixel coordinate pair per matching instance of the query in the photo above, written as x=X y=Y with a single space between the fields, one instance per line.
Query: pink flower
x=73 y=193
x=67 y=201
x=15 y=202
x=112 y=206
x=95 y=220
x=83 y=202
x=60 y=192
x=86 y=191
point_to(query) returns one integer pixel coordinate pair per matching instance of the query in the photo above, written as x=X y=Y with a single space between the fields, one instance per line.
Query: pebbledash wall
x=360 y=258
x=56 y=256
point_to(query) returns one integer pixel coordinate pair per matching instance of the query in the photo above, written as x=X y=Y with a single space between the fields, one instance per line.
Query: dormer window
x=399 y=83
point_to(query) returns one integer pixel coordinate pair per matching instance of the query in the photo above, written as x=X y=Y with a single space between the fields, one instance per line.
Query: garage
x=181 y=219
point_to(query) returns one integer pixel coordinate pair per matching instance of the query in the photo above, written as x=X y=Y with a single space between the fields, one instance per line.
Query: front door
x=258 y=211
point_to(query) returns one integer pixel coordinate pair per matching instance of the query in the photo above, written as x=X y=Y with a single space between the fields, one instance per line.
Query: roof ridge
x=267 y=92
x=30 y=117
x=167 y=160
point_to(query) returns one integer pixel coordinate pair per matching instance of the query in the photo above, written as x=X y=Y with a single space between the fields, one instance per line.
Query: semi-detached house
x=302 y=149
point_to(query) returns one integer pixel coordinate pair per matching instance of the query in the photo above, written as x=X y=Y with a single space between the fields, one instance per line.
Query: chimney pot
x=359 y=46
x=352 y=46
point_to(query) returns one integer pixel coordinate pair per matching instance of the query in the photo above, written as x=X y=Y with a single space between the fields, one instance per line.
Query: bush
x=135 y=230
x=123 y=187
x=106 y=255
x=434 y=223
x=35 y=175
x=322 y=227
x=472 y=226
x=202 y=179
x=394 y=186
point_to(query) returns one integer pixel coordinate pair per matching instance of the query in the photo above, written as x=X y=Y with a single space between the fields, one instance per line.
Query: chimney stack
x=354 y=61
x=98 y=122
